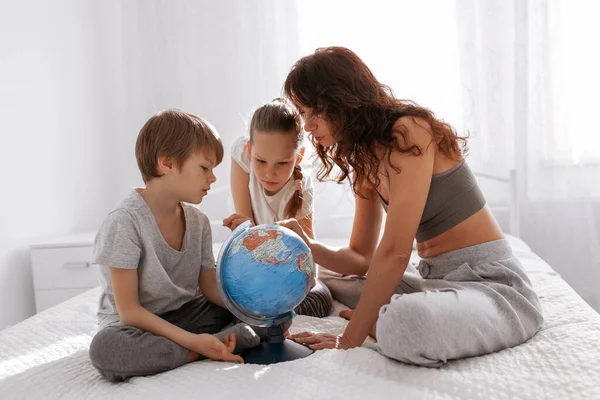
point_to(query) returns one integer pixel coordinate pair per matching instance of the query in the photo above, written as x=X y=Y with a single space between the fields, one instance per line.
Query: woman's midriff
x=480 y=227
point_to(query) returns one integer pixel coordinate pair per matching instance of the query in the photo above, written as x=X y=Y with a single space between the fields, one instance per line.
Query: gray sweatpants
x=120 y=351
x=463 y=303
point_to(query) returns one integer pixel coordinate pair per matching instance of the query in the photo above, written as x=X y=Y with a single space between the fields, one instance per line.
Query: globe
x=263 y=273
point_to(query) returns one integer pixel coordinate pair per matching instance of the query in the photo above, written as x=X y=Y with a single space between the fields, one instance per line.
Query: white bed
x=46 y=356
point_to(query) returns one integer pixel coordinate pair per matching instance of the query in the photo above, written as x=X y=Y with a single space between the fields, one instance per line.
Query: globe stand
x=275 y=349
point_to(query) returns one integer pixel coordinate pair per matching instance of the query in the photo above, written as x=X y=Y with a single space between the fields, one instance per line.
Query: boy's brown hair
x=176 y=134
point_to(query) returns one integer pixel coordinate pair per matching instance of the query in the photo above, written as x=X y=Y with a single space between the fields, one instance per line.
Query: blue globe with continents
x=263 y=273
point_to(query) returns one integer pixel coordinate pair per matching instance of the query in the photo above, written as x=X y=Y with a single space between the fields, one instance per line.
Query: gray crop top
x=453 y=197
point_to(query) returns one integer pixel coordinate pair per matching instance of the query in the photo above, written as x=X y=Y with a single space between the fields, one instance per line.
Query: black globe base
x=273 y=353
x=275 y=349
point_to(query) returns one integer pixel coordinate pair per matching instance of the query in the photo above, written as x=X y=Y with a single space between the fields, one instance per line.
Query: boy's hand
x=235 y=220
x=210 y=346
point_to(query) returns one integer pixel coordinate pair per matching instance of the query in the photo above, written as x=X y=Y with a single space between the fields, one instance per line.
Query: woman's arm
x=306 y=224
x=408 y=194
x=354 y=259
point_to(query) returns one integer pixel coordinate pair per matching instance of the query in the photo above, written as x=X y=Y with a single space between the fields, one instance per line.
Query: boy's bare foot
x=246 y=338
x=347 y=314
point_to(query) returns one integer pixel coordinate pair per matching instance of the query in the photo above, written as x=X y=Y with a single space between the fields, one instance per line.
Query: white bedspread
x=46 y=357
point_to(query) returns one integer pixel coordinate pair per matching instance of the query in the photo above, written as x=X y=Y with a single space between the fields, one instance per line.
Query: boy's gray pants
x=463 y=303
x=120 y=351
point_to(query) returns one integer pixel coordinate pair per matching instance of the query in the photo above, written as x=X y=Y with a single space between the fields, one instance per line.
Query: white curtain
x=521 y=78
x=529 y=72
x=79 y=78
x=407 y=46
x=217 y=59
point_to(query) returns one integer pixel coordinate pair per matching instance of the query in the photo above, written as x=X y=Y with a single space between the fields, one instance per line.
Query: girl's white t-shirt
x=269 y=209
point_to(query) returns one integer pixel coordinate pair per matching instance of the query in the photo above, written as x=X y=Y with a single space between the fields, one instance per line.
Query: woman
x=469 y=295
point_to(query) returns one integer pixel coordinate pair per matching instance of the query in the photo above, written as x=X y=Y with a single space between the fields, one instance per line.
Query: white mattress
x=46 y=356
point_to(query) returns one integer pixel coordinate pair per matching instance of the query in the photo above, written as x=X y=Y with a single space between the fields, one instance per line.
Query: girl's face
x=317 y=127
x=273 y=156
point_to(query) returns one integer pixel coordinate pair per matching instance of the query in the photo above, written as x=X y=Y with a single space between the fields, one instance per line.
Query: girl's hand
x=293 y=224
x=235 y=220
x=210 y=346
x=320 y=341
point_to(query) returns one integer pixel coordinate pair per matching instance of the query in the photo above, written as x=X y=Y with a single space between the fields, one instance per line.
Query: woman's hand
x=210 y=346
x=293 y=224
x=347 y=314
x=235 y=220
x=320 y=341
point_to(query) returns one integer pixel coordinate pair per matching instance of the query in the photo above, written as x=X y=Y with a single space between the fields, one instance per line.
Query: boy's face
x=193 y=179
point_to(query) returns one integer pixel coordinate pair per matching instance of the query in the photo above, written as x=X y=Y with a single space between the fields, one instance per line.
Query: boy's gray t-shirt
x=167 y=278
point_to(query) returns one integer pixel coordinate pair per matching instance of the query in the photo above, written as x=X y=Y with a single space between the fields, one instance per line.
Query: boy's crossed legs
x=120 y=351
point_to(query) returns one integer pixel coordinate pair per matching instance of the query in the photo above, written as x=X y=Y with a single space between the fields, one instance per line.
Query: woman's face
x=317 y=127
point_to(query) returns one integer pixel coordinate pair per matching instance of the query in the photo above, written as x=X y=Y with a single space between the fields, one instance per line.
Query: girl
x=469 y=295
x=268 y=185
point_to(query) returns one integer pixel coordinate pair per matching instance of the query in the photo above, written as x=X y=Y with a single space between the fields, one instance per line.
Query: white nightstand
x=62 y=268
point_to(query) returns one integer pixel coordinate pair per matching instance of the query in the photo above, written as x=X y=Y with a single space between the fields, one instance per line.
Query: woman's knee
x=405 y=330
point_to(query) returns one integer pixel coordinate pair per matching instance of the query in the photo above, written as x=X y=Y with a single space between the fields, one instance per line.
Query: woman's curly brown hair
x=362 y=112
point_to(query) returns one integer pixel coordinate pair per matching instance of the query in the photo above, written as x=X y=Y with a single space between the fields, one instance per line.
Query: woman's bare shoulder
x=413 y=131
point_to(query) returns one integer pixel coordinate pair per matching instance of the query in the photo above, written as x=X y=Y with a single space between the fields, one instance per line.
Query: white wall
x=77 y=81
x=50 y=174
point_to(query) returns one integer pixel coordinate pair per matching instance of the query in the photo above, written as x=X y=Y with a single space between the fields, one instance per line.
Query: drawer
x=47 y=298
x=64 y=268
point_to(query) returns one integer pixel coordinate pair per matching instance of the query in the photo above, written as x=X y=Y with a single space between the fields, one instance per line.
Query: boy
x=160 y=304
